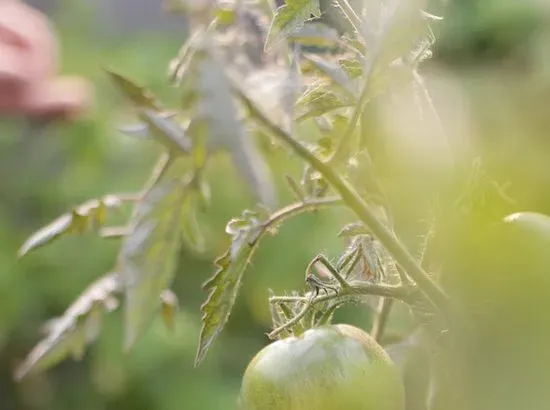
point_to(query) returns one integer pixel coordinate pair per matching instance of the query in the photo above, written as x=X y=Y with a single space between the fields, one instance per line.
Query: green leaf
x=290 y=18
x=138 y=95
x=167 y=131
x=162 y=127
x=319 y=100
x=352 y=66
x=224 y=129
x=148 y=255
x=337 y=74
x=223 y=287
x=91 y=214
x=72 y=332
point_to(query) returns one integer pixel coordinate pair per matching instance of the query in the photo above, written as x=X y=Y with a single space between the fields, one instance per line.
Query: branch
x=292 y=210
x=358 y=205
x=381 y=319
x=354 y=288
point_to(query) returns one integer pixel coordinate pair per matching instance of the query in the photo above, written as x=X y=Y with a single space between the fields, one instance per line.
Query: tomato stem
x=354 y=201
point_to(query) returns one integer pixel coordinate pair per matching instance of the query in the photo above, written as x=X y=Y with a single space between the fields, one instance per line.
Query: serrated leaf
x=290 y=18
x=352 y=66
x=217 y=108
x=90 y=214
x=319 y=100
x=148 y=254
x=337 y=74
x=72 y=332
x=223 y=287
x=138 y=95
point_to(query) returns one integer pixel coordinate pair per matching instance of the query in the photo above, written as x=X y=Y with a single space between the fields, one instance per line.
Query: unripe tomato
x=336 y=367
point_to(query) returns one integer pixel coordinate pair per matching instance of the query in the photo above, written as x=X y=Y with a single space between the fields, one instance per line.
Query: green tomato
x=326 y=368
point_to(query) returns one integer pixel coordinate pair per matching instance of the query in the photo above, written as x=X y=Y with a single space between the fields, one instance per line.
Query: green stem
x=292 y=321
x=354 y=288
x=380 y=321
x=294 y=209
x=352 y=199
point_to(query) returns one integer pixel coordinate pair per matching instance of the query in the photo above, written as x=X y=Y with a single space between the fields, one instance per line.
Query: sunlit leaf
x=72 y=332
x=336 y=73
x=138 y=95
x=319 y=100
x=90 y=214
x=224 y=285
x=290 y=18
x=352 y=66
x=147 y=258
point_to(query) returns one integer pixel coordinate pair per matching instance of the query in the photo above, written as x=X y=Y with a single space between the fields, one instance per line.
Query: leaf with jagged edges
x=137 y=94
x=290 y=18
x=90 y=214
x=148 y=255
x=79 y=326
x=320 y=99
x=223 y=287
x=218 y=123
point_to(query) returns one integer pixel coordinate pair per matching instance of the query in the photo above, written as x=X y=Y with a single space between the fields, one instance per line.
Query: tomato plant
x=244 y=76
x=328 y=367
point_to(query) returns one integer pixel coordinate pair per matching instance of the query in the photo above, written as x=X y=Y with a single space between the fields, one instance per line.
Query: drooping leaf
x=148 y=254
x=168 y=132
x=223 y=287
x=138 y=95
x=224 y=129
x=72 y=332
x=141 y=130
x=91 y=214
x=290 y=18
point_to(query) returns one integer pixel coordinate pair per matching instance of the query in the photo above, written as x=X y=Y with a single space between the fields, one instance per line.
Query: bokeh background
x=491 y=79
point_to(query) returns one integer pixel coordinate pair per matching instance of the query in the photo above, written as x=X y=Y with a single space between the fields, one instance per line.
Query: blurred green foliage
x=496 y=52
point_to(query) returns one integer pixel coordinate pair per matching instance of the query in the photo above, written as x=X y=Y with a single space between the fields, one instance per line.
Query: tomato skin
x=335 y=367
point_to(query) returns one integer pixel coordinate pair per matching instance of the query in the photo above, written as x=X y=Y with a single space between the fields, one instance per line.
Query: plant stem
x=294 y=209
x=380 y=321
x=358 y=109
x=273 y=334
x=352 y=199
x=353 y=289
